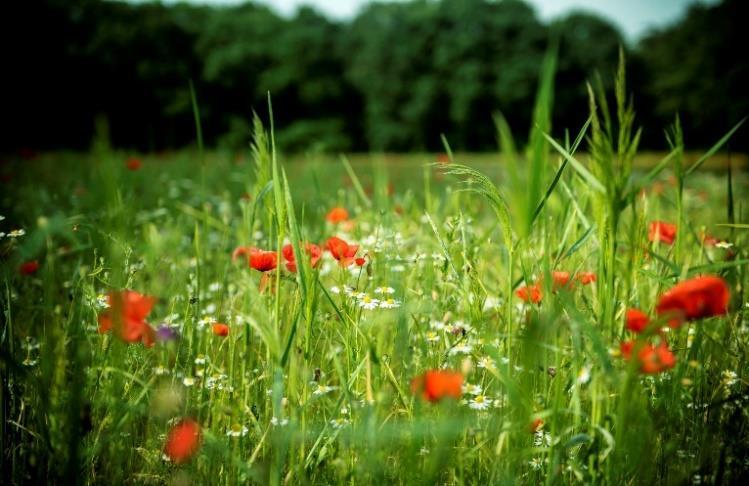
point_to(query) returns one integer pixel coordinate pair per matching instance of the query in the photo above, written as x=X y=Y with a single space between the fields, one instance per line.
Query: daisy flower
x=384 y=290
x=432 y=337
x=486 y=362
x=339 y=422
x=322 y=389
x=368 y=303
x=237 y=430
x=390 y=304
x=479 y=402
x=471 y=389
x=275 y=421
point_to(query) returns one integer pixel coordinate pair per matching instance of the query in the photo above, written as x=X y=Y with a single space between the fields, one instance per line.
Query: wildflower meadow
x=556 y=313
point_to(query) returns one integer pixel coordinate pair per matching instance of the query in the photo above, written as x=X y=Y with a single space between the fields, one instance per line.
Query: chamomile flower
x=390 y=304
x=384 y=290
x=724 y=245
x=16 y=233
x=479 y=402
x=321 y=389
x=276 y=422
x=160 y=371
x=201 y=359
x=463 y=348
x=584 y=375
x=437 y=325
x=472 y=389
x=368 y=303
x=486 y=362
x=432 y=337
x=339 y=422
x=237 y=430
x=188 y=381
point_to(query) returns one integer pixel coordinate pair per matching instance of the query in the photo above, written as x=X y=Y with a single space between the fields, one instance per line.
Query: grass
x=309 y=387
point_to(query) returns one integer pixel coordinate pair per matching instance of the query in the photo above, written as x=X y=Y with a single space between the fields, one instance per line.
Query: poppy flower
x=660 y=231
x=28 y=268
x=637 y=320
x=314 y=252
x=435 y=385
x=586 y=278
x=561 y=279
x=693 y=299
x=220 y=329
x=536 y=424
x=337 y=215
x=342 y=251
x=530 y=293
x=652 y=359
x=260 y=260
x=127 y=314
x=183 y=441
x=133 y=164
x=360 y=261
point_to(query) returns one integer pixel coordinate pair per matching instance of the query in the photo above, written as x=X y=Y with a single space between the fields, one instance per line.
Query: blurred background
x=359 y=76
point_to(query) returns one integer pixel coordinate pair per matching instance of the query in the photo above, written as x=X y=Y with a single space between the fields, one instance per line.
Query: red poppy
x=260 y=260
x=536 y=424
x=220 y=329
x=183 y=441
x=127 y=314
x=342 y=251
x=652 y=359
x=337 y=215
x=530 y=293
x=637 y=320
x=435 y=385
x=133 y=164
x=561 y=279
x=586 y=278
x=29 y=268
x=695 y=298
x=314 y=252
x=660 y=231
x=360 y=261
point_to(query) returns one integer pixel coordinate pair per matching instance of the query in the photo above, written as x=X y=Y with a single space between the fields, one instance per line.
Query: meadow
x=551 y=318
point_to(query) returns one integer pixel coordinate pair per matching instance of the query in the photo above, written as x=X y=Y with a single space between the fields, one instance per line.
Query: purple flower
x=165 y=333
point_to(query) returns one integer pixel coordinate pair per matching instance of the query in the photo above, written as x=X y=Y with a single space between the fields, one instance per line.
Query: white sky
x=633 y=17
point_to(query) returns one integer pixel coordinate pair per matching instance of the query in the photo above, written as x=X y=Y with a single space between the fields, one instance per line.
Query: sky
x=633 y=17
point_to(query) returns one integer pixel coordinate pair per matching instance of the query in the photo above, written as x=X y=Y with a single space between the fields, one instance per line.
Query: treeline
x=393 y=78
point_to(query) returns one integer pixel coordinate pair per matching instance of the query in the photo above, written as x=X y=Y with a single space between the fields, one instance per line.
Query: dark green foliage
x=393 y=78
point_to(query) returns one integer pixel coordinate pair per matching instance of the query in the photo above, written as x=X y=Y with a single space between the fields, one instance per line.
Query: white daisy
x=339 y=422
x=432 y=337
x=471 y=389
x=479 y=402
x=368 y=303
x=237 y=430
x=275 y=421
x=486 y=362
x=201 y=359
x=188 y=381
x=390 y=304
x=384 y=290
x=323 y=389
x=437 y=325
x=461 y=349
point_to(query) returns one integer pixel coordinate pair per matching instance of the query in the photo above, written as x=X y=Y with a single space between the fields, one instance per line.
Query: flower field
x=557 y=319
